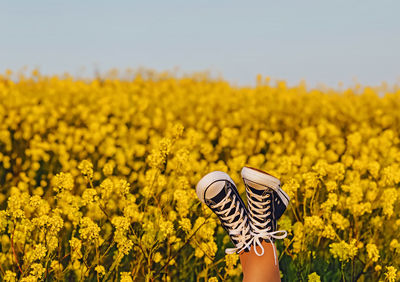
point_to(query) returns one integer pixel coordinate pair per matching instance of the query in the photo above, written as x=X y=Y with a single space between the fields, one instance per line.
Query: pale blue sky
x=320 y=41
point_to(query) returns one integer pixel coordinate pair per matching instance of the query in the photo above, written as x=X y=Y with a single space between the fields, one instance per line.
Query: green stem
x=112 y=267
x=180 y=249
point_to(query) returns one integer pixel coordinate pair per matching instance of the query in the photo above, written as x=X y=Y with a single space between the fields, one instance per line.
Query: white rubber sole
x=260 y=180
x=209 y=179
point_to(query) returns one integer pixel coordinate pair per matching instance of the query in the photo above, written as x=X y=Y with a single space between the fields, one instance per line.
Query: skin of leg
x=260 y=268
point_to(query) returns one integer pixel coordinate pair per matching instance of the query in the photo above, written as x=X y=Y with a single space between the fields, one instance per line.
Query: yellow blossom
x=29 y=278
x=344 y=251
x=389 y=198
x=89 y=230
x=157 y=257
x=340 y=221
x=63 y=181
x=88 y=196
x=142 y=143
x=37 y=270
x=39 y=252
x=185 y=224
x=314 y=277
x=108 y=168
x=10 y=276
x=76 y=246
x=100 y=270
x=395 y=245
x=125 y=277
x=86 y=168
x=373 y=252
x=390 y=273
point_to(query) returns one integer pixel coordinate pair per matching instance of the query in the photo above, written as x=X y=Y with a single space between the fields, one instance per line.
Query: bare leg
x=260 y=268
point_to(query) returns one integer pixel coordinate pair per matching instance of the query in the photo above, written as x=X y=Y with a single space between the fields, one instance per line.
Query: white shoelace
x=239 y=230
x=260 y=230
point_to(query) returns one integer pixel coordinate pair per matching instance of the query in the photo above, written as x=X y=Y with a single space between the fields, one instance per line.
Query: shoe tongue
x=218 y=198
x=256 y=191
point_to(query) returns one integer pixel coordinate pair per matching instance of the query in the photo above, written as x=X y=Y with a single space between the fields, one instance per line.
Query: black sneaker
x=218 y=191
x=266 y=202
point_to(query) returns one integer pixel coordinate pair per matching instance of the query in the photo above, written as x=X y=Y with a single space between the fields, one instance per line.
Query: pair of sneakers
x=246 y=226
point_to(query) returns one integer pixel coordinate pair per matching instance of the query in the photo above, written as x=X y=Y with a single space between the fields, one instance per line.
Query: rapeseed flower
x=101 y=172
x=373 y=252
x=390 y=274
x=344 y=251
x=314 y=277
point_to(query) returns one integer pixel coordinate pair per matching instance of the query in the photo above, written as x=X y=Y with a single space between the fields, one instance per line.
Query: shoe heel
x=261 y=178
x=207 y=180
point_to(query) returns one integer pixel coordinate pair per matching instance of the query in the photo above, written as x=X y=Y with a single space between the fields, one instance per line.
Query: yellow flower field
x=97 y=177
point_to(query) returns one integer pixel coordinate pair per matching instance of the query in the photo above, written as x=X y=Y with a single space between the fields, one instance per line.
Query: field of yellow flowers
x=97 y=177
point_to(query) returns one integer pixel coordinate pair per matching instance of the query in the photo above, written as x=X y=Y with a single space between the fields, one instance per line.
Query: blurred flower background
x=97 y=177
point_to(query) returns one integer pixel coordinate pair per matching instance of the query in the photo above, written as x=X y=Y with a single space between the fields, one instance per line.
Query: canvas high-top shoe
x=266 y=204
x=218 y=191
